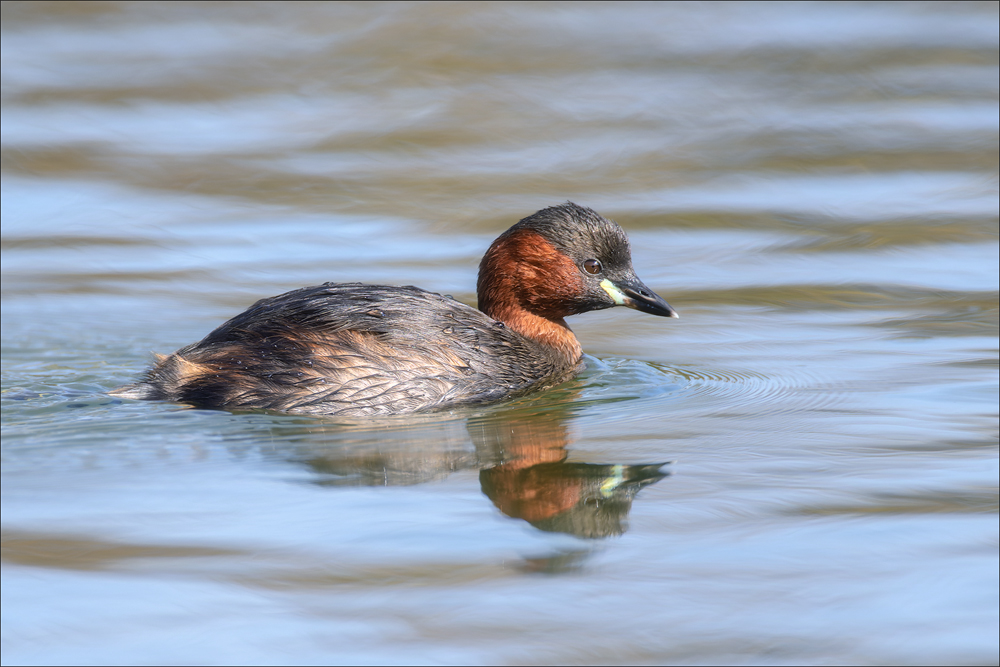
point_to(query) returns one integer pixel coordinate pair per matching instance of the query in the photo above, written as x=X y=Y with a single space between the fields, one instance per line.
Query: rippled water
x=802 y=469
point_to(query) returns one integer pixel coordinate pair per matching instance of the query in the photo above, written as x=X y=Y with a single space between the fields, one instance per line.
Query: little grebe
x=355 y=350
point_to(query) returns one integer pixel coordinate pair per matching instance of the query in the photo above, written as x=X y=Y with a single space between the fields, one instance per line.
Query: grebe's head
x=561 y=261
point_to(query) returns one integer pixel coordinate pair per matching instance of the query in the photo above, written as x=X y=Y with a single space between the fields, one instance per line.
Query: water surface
x=802 y=469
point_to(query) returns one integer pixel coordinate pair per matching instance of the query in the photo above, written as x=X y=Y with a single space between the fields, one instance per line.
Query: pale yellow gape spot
x=613 y=292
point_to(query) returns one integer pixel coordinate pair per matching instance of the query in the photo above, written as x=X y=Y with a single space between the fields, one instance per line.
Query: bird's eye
x=592 y=266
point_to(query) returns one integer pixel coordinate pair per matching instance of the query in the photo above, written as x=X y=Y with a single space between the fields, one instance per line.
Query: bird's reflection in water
x=529 y=478
x=522 y=460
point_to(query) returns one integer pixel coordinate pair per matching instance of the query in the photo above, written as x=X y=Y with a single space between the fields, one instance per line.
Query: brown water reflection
x=77 y=552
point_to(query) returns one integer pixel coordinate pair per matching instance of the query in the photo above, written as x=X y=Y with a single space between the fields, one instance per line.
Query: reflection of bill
x=521 y=455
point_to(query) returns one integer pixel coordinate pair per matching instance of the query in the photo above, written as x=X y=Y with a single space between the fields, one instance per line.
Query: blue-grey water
x=802 y=469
